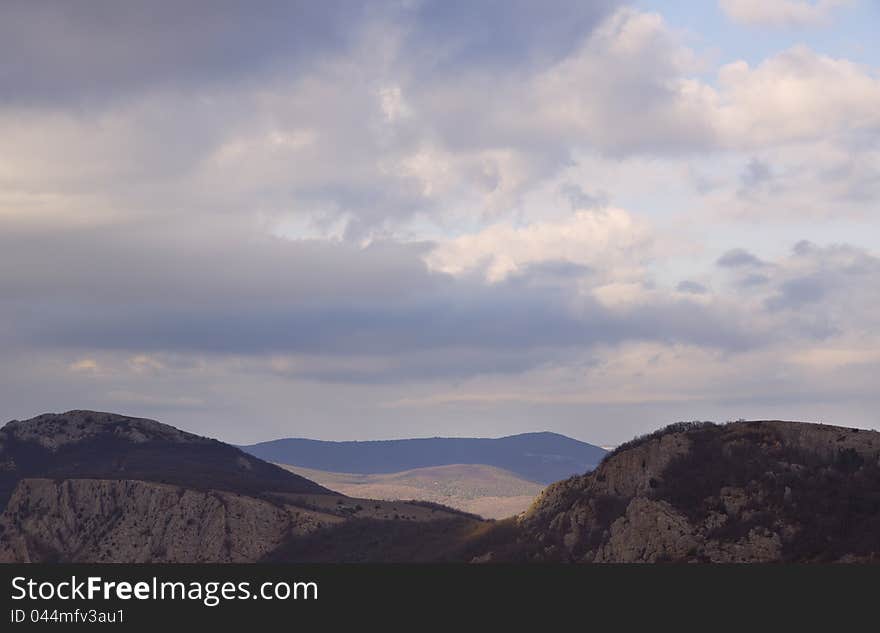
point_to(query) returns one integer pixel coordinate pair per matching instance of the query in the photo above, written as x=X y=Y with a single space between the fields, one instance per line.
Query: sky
x=415 y=218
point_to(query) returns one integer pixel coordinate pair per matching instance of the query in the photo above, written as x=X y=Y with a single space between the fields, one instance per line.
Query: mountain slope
x=487 y=491
x=93 y=445
x=741 y=492
x=98 y=487
x=538 y=457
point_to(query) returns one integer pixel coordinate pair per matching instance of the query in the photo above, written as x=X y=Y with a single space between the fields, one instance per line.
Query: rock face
x=84 y=486
x=740 y=492
x=135 y=521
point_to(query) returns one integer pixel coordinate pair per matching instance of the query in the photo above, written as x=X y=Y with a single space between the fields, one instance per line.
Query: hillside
x=742 y=492
x=487 y=491
x=98 y=487
x=538 y=457
x=93 y=445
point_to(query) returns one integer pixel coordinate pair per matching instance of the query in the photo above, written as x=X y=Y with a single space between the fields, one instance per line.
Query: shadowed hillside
x=93 y=445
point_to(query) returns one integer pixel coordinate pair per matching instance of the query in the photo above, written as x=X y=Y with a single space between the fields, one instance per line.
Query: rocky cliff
x=740 y=492
x=98 y=520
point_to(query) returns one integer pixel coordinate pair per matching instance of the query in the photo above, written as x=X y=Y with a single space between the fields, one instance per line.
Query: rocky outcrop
x=54 y=430
x=136 y=521
x=649 y=531
x=740 y=492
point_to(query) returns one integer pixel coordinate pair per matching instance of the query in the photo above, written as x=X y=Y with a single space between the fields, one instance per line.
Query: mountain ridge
x=541 y=457
x=746 y=492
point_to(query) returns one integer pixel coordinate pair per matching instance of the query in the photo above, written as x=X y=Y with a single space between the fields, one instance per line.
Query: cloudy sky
x=450 y=217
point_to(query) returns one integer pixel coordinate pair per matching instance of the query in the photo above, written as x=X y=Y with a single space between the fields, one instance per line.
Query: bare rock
x=78 y=520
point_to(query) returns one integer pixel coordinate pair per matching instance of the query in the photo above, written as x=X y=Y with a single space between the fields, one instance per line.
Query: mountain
x=94 y=487
x=93 y=445
x=538 y=457
x=85 y=486
x=764 y=491
x=487 y=491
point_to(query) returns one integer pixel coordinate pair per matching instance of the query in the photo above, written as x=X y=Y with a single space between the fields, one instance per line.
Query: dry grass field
x=487 y=491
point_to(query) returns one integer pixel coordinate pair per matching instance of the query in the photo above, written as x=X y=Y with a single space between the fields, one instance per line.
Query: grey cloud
x=804 y=247
x=692 y=287
x=451 y=34
x=796 y=293
x=823 y=291
x=753 y=280
x=551 y=270
x=580 y=199
x=51 y=51
x=756 y=174
x=115 y=290
x=189 y=92
x=134 y=109
x=57 y=51
x=737 y=258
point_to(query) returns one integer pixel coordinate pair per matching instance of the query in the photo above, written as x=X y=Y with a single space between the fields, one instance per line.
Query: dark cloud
x=738 y=258
x=51 y=51
x=797 y=293
x=804 y=248
x=57 y=52
x=450 y=35
x=115 y=290
x=756 y=174
x=692 y=287
x=580 y=199
x=551 y=270
x=753 y=280
x=824 y=291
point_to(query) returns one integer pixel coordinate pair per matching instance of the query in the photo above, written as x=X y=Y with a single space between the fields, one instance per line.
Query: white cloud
x=610 y=242
x=625 y=90
x=794 y=96
x=633 y=87
x=781 y=12
x=144 y=363
x=87 y=365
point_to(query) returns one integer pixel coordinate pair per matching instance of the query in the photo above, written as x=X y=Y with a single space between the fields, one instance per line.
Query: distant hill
x=538 y=457
x=483 y=490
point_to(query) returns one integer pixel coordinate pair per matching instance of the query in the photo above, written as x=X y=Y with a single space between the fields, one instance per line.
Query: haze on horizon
x=346 y=220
